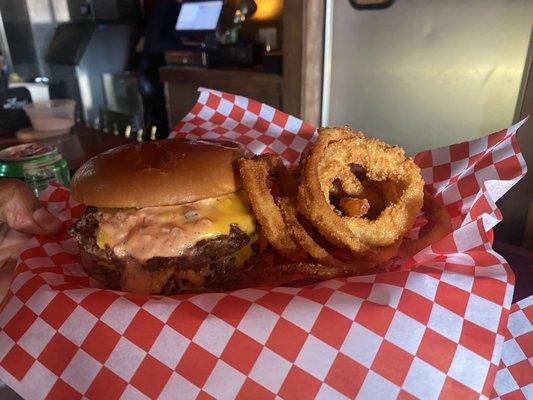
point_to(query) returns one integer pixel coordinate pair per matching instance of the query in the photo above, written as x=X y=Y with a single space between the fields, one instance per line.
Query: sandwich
x=165 y=217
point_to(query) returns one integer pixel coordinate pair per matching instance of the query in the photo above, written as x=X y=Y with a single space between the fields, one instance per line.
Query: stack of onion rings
x=356 y=193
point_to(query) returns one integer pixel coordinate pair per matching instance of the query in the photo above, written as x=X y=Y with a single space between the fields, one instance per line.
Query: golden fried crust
x=438 y=225
x=383 y=163
x=255 y=173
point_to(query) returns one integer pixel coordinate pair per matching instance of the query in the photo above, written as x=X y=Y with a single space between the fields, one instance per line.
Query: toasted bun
x=160 y=173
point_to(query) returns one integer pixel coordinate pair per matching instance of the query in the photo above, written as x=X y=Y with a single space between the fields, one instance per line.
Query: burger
x=165 y=217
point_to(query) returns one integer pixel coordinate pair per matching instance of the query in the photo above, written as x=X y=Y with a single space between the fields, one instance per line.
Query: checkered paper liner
x=433 y=328
x=514 y=379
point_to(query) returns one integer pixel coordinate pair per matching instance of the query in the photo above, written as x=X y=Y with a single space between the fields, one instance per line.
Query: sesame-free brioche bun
x=158 y=173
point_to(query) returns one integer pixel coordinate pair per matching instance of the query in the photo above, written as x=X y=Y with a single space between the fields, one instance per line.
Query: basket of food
x=252 y=256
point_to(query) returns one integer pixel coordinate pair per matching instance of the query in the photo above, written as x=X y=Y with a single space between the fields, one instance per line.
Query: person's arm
x=21 y=210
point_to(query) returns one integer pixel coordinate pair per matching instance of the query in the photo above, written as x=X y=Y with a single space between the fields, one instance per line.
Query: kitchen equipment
x=91 y=10
x=80 y=53
x=121 y=93
x=123 y=103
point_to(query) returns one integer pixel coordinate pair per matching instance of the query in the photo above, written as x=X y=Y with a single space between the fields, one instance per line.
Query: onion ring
x=350 y=184
x=328 y=158
x=254 y=173
x=439 y=225
x=317 y=252
x=298 y=232
x=397 y=218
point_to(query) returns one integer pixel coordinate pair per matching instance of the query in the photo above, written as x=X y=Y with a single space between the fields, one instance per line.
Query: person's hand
x=21 y=210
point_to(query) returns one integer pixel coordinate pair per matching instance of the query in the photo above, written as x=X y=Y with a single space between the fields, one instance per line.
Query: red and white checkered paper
x=432 y=329
x=514 y=379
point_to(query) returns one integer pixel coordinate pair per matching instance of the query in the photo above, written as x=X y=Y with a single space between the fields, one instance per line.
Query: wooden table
x=78 y=146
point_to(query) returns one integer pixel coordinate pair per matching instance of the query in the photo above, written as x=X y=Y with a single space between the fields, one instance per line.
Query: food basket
x=432 y=327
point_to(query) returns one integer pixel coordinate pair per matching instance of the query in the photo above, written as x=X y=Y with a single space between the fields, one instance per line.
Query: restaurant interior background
x=417 y=73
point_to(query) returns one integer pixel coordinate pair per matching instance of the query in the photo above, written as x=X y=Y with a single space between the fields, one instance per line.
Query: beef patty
x=212 y=258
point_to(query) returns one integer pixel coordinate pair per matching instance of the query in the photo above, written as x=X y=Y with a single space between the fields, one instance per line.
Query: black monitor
x=198 y=17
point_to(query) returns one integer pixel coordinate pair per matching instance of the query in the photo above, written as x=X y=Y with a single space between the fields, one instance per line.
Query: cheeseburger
x=165 y=217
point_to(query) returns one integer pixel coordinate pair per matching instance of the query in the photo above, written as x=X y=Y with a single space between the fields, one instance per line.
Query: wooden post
x=292 y=56
x=313 y=61
x=303 y=49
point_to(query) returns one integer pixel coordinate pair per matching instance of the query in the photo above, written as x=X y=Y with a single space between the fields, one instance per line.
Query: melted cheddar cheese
x=167 y=231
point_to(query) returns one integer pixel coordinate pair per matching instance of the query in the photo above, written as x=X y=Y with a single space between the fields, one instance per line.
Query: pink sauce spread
x=168 y=231
x=149 y=232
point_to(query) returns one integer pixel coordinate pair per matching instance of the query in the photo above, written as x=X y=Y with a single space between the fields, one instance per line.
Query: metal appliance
x=26 y=27
x=80 y=53
x=123 y=103
x=104 y=10
x=30 y=28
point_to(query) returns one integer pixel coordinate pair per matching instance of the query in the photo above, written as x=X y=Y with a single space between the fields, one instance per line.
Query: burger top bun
x=159 y=173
